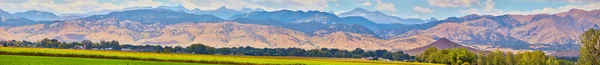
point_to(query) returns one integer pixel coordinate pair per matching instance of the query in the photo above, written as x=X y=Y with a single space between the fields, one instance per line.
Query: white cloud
x=452 y=3
x=582 y=1
x=488 y=9
x=385 y=6
x=571 y=1
x=421 y=9
x=590 y=6
x=365 y=4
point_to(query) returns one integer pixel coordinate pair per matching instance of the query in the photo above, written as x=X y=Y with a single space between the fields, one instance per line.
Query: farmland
x=33 y=60
x=196 y=58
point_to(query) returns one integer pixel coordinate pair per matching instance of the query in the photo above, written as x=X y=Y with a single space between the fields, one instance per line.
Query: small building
x=383 y=59
x=369 y=58
x=77 y=47
x=126 y=49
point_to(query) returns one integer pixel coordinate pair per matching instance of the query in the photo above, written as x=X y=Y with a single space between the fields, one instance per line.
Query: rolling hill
x=441 y=43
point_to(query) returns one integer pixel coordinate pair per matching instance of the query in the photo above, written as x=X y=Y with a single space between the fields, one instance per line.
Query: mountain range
x=311 y=29
x=379 y=17
x=222 y=12
x=31 y=15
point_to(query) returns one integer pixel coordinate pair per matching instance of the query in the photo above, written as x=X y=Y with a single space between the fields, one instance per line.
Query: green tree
x=538 y=57
x=466 y=63
x=114 y=45
x=4 y=43
x=456 y=56
x=200 y=48
x=44 y=42
x=425 y=55
x=480 y=59
x=590 y=51
x=167 y=49
x=63 y=45
x=17 y=43
x=496 y=58
x=509 y=58
x=358 y=51
x=552 y=61
x=399 y=55
x=87 y=44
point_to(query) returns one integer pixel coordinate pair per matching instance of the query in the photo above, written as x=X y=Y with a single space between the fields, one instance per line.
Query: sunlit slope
x=222 y=34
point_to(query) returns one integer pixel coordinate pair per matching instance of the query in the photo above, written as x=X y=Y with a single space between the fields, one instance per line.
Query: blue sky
x=422 y=9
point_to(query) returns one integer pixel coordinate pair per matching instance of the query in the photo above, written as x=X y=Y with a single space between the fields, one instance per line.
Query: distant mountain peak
x=34 y=11
x=596 y=26
x=441 y=43
x=360 y=10
x=174 y=8
x=248 y=10
x=443 y=40
x=151 y=16
x=378 y=12
x=178 y=6
x=576 y=10
x=365 y=11
x=432 y=19
x=36 y=15
x=444 y=43
x=2 y=12
x=222 y=8
x=379 y=17
x=472 y=15
x=196 y=9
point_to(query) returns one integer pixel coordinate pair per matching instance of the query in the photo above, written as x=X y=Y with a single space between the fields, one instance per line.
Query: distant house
x=78 y=47
x=126 y=49
x=383 y=59
x=101 y=48
x=369 y=58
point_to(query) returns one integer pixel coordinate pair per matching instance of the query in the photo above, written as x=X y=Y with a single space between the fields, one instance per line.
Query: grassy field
x=36 y=60
x=200 y=57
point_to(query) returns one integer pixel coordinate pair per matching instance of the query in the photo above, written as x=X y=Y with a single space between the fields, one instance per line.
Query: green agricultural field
x=36 y=60
x=201 y=57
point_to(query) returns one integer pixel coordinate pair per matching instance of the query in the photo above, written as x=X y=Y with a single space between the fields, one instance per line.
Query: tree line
x=204 y=49
x=53 y=43
x=461 y=56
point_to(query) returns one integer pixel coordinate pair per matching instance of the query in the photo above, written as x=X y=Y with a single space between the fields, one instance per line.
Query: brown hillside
x=441 y=43
x=567 y=53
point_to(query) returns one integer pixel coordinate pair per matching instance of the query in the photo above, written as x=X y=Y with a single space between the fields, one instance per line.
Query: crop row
x=133 y=58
